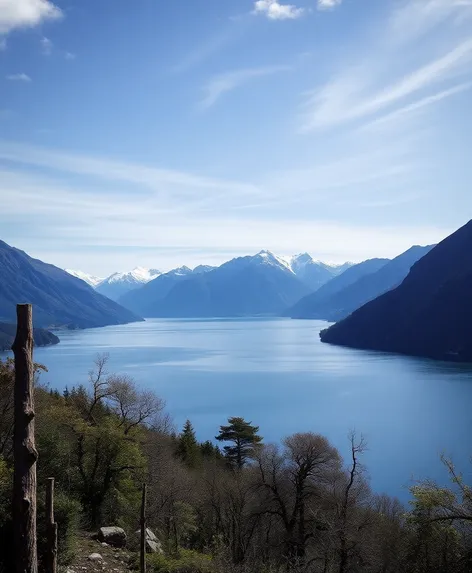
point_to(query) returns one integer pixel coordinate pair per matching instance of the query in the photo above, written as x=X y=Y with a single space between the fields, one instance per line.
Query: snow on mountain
x=118 y=284
x=268 y=258
x=89 y=279
x=137 y=275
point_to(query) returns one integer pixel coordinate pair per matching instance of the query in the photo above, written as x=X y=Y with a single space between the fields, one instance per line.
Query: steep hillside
x=59 y=299
x=429 y=314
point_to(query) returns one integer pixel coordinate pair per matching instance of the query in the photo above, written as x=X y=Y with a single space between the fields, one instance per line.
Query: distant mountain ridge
x=375 y=277
x=118 y=284
x=316 y=303
x=91 y=280
x=262 y=284
x=429 y=314
x=59 y=299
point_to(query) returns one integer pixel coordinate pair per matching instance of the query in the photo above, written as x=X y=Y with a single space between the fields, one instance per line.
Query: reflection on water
x=278 y=374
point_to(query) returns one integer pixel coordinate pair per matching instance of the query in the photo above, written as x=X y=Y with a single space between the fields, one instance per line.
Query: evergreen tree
x=188 y=449
x=210 y=451
x=244 y=437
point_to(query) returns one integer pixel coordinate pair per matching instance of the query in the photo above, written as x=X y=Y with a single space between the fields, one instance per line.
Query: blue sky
x=168 y=132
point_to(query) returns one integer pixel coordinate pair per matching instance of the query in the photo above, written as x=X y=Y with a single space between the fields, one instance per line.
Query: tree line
x=233 y=505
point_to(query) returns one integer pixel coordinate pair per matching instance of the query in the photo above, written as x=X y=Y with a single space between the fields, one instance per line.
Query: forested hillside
x=242 y=506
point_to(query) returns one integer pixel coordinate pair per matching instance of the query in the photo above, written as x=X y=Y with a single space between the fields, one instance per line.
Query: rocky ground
x=93 y=556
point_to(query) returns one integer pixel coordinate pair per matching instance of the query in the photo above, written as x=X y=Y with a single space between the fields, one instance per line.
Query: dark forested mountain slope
x=246 y=286
x=59 y=299
x=315 y=304
x=41 y=337
x=429 y=314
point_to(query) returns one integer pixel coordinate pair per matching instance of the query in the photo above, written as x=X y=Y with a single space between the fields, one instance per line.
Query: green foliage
x=187 y=561
x=245 y=439
x=67 y=516
x=188 y=449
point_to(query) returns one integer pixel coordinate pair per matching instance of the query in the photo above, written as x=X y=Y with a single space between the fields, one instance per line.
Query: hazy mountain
x=89 y=279
x=41 y=337
x=315 y=304
x=314 y=273
x=262 y=284
x=118 y=284
x=145 y=297
x=59 y=298
x=429 y=314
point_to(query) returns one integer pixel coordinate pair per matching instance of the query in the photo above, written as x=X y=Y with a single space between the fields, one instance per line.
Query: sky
x=167 y=132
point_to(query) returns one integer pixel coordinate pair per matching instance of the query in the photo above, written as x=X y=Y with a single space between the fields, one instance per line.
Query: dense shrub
x=187 y=561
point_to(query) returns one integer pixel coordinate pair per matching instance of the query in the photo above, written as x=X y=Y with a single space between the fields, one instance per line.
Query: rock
x=105 y=544
x=114 y=536
x=153 y=545
x=95 y=557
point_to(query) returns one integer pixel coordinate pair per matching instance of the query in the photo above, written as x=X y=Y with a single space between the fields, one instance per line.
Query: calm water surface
x=278 y=374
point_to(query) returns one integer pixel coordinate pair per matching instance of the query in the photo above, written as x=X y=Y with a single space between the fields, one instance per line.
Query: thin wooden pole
x=142 y=553
x=51 y=564
x=25 y=454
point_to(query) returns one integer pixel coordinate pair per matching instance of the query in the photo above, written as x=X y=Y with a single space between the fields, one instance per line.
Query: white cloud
x=69 y=56
x=25 y=13
x=19 y=78
x=328 y=4
x=274 y=10
x=229 y=81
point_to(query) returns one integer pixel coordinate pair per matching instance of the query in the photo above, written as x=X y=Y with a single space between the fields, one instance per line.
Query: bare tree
x=134 y=407
x=291 y=480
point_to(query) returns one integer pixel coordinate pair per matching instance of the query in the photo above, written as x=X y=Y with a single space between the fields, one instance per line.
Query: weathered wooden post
x=51 y=564
x=142 y=552
x=25 y=454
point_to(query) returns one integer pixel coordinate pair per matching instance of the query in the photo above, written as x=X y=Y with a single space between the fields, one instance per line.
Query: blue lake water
x=277 y=374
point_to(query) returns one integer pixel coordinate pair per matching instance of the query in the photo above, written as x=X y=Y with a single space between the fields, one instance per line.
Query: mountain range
x=342 y=296
x=59 y=299
x=312 y=273
x=262 y=284
x=429 y=314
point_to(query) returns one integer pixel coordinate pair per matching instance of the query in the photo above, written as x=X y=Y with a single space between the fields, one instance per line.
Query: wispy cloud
x=418 y=106
x=328 y=4
x=3 y=44
x=412 y=19
x=274 y=10
x=69 y=56
x=18 y=77
x=338 y=101
x=46 y=46
x=26 y=13
x=364 y=91
x=151 y=177
x=230 y=81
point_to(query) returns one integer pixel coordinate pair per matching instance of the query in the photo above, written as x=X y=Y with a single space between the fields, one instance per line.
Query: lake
x=276 y=373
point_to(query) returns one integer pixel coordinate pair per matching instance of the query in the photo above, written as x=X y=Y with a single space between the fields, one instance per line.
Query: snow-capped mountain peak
x=89 y=279
x=137 y=275
x=268 y=258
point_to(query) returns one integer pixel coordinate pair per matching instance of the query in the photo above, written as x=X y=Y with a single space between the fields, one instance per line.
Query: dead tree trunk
x=51 y=563
x=142 y=553
x=25 y=454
